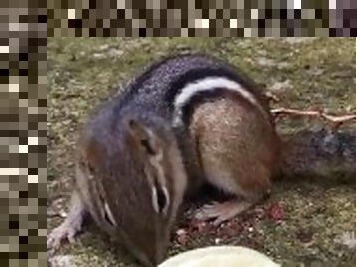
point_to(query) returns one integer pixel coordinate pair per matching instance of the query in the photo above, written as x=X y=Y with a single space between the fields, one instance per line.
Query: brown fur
x=115 y=180
x=131 y=175
x=237 y=146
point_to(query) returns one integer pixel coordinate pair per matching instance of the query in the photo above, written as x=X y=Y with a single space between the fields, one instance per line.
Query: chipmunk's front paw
x=63 y=232
x=221 y=211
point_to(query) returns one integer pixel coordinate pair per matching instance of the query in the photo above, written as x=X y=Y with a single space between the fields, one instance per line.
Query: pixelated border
x=23 y=82
x=23 y=133
x=299 y=18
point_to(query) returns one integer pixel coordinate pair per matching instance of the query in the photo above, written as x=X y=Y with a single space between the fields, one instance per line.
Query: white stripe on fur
x=109 y=213
x=208 y=84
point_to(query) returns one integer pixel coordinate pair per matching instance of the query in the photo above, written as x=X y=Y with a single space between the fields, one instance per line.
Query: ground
x=304 y=221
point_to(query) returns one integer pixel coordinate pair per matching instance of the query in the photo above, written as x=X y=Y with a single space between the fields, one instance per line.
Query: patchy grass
x=319 y=216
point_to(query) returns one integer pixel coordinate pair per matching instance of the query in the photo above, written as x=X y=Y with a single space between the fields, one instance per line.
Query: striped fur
x=186 y=94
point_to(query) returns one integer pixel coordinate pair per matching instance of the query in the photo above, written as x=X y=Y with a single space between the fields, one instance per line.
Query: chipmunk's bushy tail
x=319 y=153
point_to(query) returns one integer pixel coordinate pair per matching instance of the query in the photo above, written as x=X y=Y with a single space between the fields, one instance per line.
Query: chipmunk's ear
x=90 y=154
x=144 y=137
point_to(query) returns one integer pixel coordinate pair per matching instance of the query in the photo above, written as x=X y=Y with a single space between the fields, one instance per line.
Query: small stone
x=182 y=236
x=266 y=62
x=62 y=261
x=104 y=47
x=181 y=231
x=281 y=86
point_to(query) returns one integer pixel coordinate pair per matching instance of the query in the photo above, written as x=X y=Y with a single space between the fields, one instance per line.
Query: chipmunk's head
x=141 y=180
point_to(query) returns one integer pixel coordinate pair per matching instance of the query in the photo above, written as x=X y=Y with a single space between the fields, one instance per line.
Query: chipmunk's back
x=163 y=84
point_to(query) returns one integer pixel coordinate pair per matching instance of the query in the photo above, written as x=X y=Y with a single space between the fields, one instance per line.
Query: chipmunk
x=186 y=120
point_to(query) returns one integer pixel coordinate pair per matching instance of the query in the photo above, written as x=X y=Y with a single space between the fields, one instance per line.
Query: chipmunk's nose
x=156 y=258
x=160 y=253
x=152 y=254
x=159 y=257
x=153 y=261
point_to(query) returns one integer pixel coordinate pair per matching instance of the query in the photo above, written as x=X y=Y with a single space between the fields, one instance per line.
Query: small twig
x=337 y=120
x=341 y=118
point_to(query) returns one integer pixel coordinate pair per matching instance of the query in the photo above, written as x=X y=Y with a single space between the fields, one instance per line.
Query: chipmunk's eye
x=86 y=165
x=160 y=199
x=145 y=143
x=91 y=169
x=82 y=164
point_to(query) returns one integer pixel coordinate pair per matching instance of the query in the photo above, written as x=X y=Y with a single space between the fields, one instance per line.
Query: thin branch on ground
x=337 y=120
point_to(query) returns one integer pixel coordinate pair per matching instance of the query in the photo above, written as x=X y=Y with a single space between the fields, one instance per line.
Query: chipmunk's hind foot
x=222 y=211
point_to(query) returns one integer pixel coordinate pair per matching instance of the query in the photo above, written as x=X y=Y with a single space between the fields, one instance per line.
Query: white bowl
x=220 y=256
